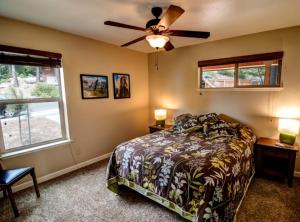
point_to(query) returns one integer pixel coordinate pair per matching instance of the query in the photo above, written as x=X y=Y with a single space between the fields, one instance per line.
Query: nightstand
x=275 y=159
x=155 y=128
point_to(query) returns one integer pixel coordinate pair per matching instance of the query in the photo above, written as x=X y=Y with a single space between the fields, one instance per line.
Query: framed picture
x=93 y=86
x=121 y=84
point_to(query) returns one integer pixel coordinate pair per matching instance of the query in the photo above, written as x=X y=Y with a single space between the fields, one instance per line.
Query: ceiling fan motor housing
x=152 y=22
x=156 y=12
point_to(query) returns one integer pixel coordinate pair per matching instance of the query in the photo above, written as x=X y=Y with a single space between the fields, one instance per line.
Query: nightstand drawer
x=273 y=152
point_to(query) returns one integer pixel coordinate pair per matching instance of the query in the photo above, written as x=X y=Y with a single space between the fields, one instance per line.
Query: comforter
x=199 y=177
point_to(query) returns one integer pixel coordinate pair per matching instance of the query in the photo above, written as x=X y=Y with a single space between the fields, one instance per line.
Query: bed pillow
x=218 y=128
x=207 y=118
x=186 y=123
x=232 y=122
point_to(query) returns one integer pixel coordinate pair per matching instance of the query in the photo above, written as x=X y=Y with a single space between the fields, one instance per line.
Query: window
x=261 y=73
x=261 y=70
x=221 y=76
x=31 y=102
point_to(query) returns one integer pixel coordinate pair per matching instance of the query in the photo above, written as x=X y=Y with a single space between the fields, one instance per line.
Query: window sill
x=254 y=89
x=33 y=149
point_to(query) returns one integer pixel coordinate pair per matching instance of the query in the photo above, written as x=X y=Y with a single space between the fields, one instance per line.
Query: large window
x=31 y=102
x=261 y=70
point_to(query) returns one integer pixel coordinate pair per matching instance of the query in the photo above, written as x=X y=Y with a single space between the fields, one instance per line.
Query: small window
x=31 y=102
x=262 y=70
x=261 y=73
x=221 y=76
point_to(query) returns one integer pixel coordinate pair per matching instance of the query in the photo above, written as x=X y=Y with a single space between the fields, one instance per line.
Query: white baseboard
x=53 y=175
x=297 y=174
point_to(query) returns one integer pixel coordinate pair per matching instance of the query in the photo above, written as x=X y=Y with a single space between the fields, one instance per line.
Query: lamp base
x=287 y=138
x=160 y=122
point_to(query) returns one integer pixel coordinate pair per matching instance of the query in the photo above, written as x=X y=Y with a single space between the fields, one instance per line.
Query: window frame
x=44 y=59
x=242 y=59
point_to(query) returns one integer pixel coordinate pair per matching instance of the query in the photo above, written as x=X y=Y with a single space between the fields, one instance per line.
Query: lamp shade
x=160 y=114
x=157 y=41
x=290 y=126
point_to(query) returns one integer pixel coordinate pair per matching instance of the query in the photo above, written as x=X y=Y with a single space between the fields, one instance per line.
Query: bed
x=200 y=174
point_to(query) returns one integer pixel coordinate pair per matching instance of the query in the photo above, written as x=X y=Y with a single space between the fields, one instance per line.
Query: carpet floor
x=83 y=196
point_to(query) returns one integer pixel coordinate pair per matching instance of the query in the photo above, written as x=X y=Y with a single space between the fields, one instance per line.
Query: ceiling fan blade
x=121 y=25
x=168 y=46
x=170 y=16
x=134 y=41
x=191 y=34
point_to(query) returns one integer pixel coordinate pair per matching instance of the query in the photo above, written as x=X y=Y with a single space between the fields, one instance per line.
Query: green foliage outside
x=244 y=73
x=21 y=71
x=45 y=91
x=15 y=93
x=249 y=73
x=4 y=73
x=26 y=71
x=38 y=89
x=224 y=72
x=22 y=90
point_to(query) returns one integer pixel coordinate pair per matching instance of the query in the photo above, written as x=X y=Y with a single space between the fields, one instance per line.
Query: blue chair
x=10 y=176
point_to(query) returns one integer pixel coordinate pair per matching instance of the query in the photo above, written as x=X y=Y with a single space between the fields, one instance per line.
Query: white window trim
x=61 y=100
x=20 y=152
x=63 y=97
x=2 y=148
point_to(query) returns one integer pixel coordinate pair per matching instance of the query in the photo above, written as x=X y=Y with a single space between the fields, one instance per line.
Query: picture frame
x=94 y=86
x=121 y=84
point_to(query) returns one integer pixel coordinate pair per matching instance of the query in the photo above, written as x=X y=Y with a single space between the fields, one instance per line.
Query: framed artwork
x=94 y=86
x=121 y=84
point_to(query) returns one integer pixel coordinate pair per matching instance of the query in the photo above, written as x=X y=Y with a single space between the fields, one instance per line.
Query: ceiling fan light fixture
x=157 y=29
x=157 y=41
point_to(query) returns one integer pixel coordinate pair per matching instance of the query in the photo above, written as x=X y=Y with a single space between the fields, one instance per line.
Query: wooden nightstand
x=275 y=159
x=155 y=128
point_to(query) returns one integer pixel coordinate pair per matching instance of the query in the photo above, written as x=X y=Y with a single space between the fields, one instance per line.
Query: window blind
x=22 y=56
x=240 y=59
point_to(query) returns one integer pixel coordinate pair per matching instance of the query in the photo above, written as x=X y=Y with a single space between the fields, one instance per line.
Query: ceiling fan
x=157 y=29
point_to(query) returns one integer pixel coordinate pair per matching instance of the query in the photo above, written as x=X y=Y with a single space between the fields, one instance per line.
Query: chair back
x=1 y=168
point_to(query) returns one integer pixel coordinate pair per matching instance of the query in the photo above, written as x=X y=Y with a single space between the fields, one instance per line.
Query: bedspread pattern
x=201 y=178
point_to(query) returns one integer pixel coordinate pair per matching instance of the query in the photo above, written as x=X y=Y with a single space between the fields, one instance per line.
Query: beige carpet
x=82 y=196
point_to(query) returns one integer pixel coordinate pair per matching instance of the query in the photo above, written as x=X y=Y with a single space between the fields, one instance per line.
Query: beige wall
x=173 y=85
x=96 y=126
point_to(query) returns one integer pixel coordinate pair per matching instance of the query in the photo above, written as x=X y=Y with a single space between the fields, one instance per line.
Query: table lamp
x=288 y=129
x=160 y=116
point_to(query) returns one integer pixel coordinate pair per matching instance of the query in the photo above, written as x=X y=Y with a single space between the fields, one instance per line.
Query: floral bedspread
x=201 y=178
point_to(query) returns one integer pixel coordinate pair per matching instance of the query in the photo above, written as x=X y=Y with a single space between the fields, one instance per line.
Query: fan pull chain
x=156 y=59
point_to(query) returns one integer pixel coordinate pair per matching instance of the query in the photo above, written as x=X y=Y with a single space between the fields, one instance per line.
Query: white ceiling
x=223 y=18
